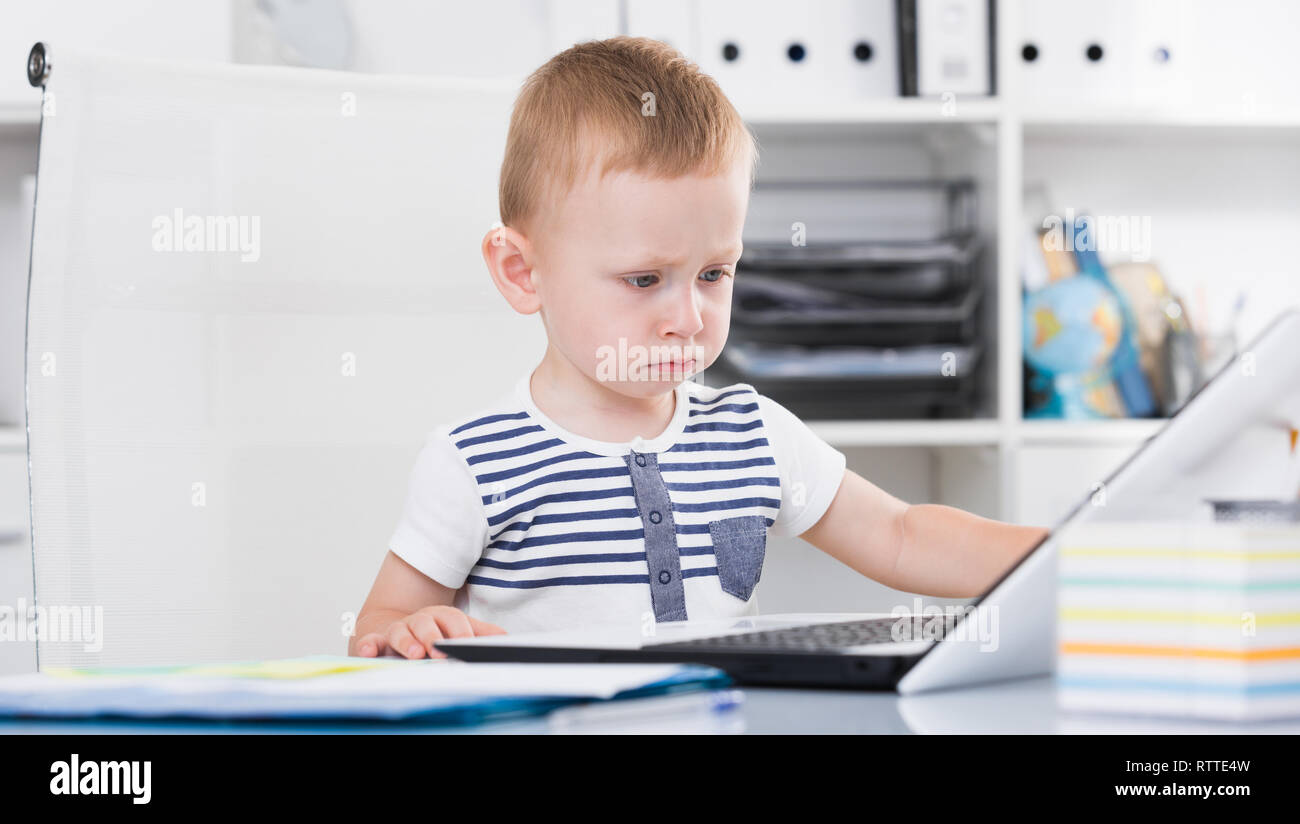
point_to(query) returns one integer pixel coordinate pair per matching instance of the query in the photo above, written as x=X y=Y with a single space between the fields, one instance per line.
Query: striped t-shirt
x=539 y=528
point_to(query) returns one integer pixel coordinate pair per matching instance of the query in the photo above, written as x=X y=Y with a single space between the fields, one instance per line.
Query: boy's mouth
x=673 y=366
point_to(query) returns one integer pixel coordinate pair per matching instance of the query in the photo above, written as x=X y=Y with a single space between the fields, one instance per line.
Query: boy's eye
x=645 y=281
x=640 y=280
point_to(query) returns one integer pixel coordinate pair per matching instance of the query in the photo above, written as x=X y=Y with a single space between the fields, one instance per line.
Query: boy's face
x=632 y=272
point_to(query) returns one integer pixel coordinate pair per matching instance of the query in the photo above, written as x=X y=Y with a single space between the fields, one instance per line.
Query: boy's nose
x=684 y=319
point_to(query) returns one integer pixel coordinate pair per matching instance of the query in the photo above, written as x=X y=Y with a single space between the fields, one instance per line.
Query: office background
x=1184 y=112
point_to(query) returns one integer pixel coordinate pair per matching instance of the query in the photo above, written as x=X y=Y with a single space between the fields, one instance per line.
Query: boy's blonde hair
x=587 y=104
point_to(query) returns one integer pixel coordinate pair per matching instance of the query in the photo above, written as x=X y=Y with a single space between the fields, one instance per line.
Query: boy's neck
x=588 y=408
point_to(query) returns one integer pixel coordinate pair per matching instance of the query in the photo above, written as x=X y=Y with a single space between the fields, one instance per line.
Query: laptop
x=1223 y=443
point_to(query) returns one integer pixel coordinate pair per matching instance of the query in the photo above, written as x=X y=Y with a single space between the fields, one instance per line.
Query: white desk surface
x=1019 y=706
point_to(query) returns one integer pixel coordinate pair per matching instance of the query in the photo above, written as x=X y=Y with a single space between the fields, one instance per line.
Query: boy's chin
x=649 y=387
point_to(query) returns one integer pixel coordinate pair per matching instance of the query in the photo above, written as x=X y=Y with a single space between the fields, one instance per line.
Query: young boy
x=607 y=486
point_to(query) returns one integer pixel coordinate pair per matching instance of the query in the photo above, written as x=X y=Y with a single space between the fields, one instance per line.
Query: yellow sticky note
x=309 y=667
x=305 y=667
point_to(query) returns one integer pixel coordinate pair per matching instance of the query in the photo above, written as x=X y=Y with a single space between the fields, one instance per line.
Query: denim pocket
x=738 y=546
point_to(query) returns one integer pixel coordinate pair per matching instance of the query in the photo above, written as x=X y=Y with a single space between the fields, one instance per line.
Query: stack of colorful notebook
x=1191 y=619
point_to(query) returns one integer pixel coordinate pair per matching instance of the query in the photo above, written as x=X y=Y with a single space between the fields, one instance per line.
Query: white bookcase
x=1218 y=180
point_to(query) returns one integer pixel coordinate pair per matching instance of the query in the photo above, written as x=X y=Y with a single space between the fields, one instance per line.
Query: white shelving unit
x=1096 y=156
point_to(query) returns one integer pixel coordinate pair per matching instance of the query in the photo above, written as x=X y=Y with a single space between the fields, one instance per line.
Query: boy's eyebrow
x=653 y=261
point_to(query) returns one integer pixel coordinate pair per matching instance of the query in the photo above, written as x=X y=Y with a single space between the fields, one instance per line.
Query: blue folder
x=86 y=694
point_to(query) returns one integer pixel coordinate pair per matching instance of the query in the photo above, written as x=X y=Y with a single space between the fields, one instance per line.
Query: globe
x=1071 y=326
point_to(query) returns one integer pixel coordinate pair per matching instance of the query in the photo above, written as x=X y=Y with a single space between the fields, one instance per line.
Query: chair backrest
x=254 y=292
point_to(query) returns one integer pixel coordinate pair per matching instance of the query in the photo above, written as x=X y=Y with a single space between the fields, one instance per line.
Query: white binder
x=848 y=47
x=953 y=48
x=1198 y=56
x=675 y=22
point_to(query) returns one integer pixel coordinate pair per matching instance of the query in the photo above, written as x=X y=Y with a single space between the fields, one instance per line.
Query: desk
x=1019 y=706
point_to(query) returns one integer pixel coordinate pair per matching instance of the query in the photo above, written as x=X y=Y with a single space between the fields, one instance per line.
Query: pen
x=656 y=709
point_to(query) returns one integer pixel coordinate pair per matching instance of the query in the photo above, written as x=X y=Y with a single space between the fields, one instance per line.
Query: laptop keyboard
x=820 y=637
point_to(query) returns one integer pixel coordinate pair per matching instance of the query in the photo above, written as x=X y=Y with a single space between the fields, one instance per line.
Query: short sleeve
x=810 y=469
x=443 y=528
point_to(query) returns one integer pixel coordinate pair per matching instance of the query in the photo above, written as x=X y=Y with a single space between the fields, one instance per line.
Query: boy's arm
x=439 y=538
x=399 y=590
x=923 y=548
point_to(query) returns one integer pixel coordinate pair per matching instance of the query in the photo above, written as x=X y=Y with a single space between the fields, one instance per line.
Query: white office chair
x=220 y=437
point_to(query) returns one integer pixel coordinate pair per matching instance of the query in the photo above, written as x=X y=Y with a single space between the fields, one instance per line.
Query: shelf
x=13 y=115
x=1085 y=114
x=13 y=438
x=984 y=432
x=907 y=433
x=1092 y=123
x=893 y=111
x=1116 y=432
x=913 y=110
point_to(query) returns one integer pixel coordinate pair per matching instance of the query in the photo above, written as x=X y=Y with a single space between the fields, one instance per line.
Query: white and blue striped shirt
x=539 y=528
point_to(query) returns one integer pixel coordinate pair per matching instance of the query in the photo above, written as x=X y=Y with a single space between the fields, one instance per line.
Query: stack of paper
x=336 y=687
x=1191 y=619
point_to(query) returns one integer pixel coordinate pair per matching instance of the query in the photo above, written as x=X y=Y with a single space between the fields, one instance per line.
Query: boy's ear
x=509 y=259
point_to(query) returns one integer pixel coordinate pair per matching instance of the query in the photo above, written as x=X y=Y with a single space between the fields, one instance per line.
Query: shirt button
x=640 y=460
x=665 y=576
x=655 y=517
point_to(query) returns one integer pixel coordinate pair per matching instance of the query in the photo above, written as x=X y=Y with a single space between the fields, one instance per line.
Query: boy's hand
x=415 y=634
